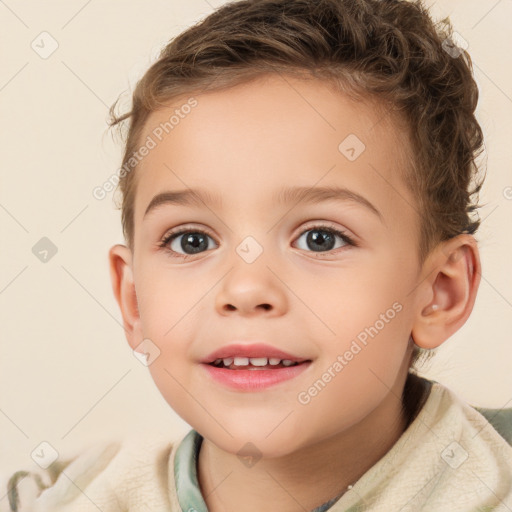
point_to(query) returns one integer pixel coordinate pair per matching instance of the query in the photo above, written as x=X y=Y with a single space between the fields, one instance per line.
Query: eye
x=194 y=242
x=322 y=238
x=187 y=242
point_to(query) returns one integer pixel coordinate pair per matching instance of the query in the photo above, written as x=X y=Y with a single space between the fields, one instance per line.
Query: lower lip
x=253 y=380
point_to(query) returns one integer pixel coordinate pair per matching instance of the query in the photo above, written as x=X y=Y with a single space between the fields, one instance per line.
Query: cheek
x=365 y=320
x=345 y=301
x=168 y=314
x=166 y=317
x=164 y=298
x=358 y=367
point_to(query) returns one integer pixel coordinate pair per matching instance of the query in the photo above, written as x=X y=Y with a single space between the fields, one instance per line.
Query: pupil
x=323 y=241
x=192 y=239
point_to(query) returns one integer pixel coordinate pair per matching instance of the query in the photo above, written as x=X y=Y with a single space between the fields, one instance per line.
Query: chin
x=252 y=444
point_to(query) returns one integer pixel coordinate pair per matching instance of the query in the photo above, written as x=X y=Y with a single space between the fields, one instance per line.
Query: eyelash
x=320 y=227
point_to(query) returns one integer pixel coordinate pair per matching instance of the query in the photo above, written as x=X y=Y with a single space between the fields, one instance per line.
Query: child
x=318 y=157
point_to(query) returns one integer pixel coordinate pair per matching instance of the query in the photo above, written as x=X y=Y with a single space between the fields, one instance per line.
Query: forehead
x=255 y=138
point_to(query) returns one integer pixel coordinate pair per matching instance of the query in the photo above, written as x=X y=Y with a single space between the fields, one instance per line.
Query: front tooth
x=287 y=362
x=273 y=361
x=258 y=361
x=227 y=361
x=240 y=361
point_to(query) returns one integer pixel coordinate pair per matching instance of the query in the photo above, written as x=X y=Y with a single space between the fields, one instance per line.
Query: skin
x=248 y=143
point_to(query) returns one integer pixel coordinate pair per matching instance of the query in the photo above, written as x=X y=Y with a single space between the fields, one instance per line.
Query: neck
x=315 y=474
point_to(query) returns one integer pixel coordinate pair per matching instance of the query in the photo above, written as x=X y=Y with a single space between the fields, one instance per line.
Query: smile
x=253 y=363
x=246 y=377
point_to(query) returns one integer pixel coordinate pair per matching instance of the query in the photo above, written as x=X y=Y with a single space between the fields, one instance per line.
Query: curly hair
x=388 y=50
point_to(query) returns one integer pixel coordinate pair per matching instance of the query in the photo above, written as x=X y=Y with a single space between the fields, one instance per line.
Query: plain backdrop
x=67 y=374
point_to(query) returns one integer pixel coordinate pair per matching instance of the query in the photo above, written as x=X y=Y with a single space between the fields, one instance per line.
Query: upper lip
x=250 y=350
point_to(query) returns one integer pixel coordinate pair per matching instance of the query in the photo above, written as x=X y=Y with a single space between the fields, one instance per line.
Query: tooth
x=227 y=361
x=258 y=361
x=217 y=361
x=287 y=362
x=274 y=360
x=241 y=361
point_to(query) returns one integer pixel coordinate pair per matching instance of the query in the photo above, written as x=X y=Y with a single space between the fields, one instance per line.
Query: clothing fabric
x=450 y=457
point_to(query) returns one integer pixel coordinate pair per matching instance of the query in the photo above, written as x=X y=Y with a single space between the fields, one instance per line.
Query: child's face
x=245 y=146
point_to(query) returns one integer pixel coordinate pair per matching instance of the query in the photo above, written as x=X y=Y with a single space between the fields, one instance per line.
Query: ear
x=449 y=291
x=123 y=285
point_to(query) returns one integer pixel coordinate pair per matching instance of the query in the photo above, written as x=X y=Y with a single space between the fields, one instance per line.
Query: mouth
x=249 y=377
x=255 y=363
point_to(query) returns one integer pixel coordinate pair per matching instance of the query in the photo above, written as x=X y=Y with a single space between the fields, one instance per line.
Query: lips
x=255 y=350
x=251 y=380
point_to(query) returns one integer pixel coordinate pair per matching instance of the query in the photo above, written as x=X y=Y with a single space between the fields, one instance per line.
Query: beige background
x=67 y=375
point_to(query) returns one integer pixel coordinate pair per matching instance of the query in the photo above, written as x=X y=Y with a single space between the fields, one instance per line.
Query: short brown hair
x=389 y=50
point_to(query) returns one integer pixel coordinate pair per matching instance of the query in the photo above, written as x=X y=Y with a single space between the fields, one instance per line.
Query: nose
x=230 y=307
x=249 y=290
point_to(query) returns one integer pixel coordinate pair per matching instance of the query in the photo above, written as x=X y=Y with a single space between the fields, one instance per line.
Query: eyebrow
x=312 y=195
x=188 y=197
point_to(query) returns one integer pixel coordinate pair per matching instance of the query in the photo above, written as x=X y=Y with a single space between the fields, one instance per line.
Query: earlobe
x=453 y=277
x=123 y=286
